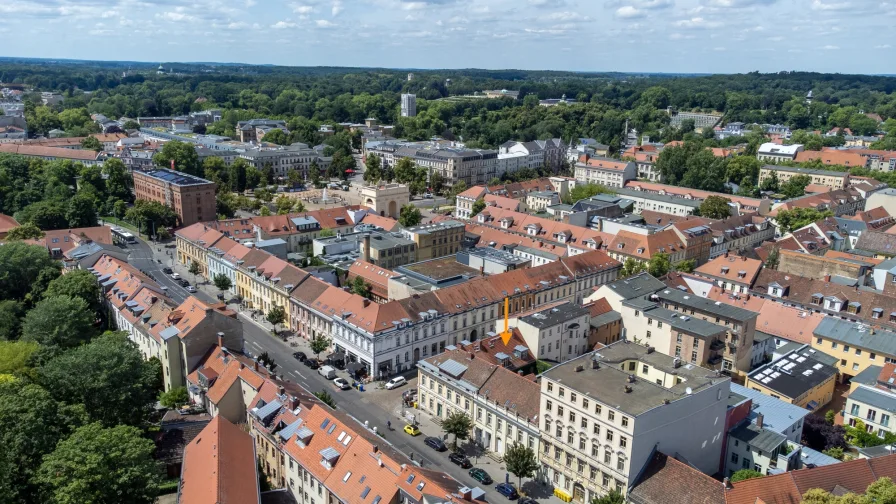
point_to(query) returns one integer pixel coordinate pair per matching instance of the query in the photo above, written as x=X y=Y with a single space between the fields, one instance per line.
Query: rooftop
x=599 y=375
x=857 y=335
x=777 y=415
x=175 y=177
x=794 y=374
x=760 y=438
x=805 y=171
x=705 y=305
x=555 y=315
x=638 y=285
x=880 y=399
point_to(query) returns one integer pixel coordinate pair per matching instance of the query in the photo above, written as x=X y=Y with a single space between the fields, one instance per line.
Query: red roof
x=219 y=467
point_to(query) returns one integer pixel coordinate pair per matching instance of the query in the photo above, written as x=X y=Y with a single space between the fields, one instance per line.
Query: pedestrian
x=389 y=424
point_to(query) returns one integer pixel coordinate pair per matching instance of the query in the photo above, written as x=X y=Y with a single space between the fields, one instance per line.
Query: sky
x=712 y=36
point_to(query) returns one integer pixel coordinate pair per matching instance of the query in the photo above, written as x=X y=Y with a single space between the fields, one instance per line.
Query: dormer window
x=640 y=250
x=877 y=313
x=854 y=307
x=817 y=298
x=741 y=274
x=724 y=270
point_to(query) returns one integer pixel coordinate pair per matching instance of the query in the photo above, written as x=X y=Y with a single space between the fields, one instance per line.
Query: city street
x=375 y=407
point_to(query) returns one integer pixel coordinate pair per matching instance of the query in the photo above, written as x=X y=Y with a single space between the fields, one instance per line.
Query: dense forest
x=308 y=97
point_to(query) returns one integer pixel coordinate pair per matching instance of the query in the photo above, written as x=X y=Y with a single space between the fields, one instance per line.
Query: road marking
x=300 y=374
x=256 y=345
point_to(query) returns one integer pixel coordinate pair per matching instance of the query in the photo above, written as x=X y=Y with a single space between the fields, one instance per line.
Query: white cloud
x=302 y=10
x=830 y=48
x=739 y=4
x=337 y=7
x=697 y=23
x=818 y=5
x=719 y=49
x=250 y=3
x=323 y=23
x=884 y=46
x=282 y=25
x=628 y=12
x=176 y=16
x=680 y=36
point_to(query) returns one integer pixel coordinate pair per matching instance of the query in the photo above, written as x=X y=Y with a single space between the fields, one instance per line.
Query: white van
x=395 y=382
x=328 y=372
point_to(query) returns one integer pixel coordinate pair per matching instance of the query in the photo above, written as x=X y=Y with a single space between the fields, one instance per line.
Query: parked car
x=166 y=270
x=328 y=372
x=460 y=459
x=435 y=443
x=175 y=276
x=341 y=384
x=412 y=430
x=481 y=476
x=183 y=282
x=311 y=363
x=395 y=382
x=190 y=288
x=299 y=356
x=527 y=500
x=507 y=490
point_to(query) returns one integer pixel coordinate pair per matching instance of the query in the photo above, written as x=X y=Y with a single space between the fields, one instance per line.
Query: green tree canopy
x=108 y=376
x=46 y=214
x=459 y=425
x=184 y=155
x=521 y=461
x=319 y=343
x=77 y=284
x=25 y=268
x=276 y=136
x=178 y=396
x=360 y=287
x=585 y=191
x=11 y=313
x=81 y=211
x=100 y=466
x=222 y=282
x=791 y=220
x=91 y=143
x=715 y=207
x=27 y=231
x=478 y=206
x=795 y=186
x=745 y=474
x=659 y=264
x=276 y=315
x=410 y=216
x=61 y=321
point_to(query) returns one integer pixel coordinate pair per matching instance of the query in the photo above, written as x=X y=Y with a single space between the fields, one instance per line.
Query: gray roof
x=607 y=382
x=875 y=241
x=636 y=286
x=880 y=341
x=605 y=318
x=169 y=332
x=810 y=456
x=689 y=324
x=795 y=373
x=759 y=438
x=867 y=376
x=777 y=415
x=874 y=397
x=705 y=305
x=877 y=451
x=675 y=200
x=554 y=316
x=805 y=171
x=453 y=368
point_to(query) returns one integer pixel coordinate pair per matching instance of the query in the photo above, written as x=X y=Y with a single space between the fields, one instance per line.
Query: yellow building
x=804 y=377
x=827 y=178
x=436 y=240
x=855 y=346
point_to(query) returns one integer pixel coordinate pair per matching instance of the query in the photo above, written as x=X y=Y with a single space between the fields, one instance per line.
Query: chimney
x=759 y=418
x=293 y=402
x=255 y=365
x=726 y=253
x=628 y=389
x=365 y=252
x=827 y=278
x=221 y=340
x=376 y=448
x=281 y=391
x=727 y=484
x=366 y=302
x=472 y=355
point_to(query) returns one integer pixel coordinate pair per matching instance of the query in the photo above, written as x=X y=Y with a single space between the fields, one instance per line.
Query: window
x=608 y=458
x=572 y=397
x=885 y=419
x=872 y=414
x=569 y=436
x=625 y=421
x=585 y=402
x=610 y=436
x=597 y=409
x=611 y=415
x=548 y=405
x=620 y=463
x=833 y=345
x=735 y=458
x=582 y=443
x=550 y=386
x=560 y=411
x=596 y=429
x=584 y=423
x=623 y=442
x=562 y=391
x=648 y=334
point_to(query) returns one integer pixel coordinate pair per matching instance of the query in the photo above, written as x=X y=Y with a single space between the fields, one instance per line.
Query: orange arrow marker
x=505 y=336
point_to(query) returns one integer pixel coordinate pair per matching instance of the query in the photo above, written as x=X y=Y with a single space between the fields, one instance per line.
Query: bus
x=122 y=237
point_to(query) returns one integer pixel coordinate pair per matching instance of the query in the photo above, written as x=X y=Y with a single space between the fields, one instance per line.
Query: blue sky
x=848 y=36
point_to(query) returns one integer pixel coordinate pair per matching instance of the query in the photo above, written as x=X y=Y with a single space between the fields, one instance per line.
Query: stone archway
x=473 y=335
x=393 y=209
x=369 y=202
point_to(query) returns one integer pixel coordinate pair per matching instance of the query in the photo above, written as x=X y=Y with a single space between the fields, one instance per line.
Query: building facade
x=192 y=198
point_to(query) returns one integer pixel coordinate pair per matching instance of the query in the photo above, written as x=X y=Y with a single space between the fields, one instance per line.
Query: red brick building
x=191 y=197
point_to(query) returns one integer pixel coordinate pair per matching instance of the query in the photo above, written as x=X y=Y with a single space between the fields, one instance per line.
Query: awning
x=812 y=405
x=354 y=367
x=336 y=356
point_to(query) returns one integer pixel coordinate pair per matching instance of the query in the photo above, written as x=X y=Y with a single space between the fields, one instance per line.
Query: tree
x=25 y=269
x=614 y=497
x=631 y=267
x=46 y=214
x=360 y=287
x=521 y=461
x=459 y=425
x=409 y=216
x=405 y=169
x=284 y=204
x=81 y=211
x=686 y=266
x=61 y=321
x=150 y=215
x=326 y=233
x=238 y=176
x=175 y=397
x=478 y=206
x=743 y=168
x=715 y=207
x=267 y=361
x=15 y=357
x=276 y=315
x=319 y=343
x=11 y=312
x=276 y=136
x=77 y=284
x=836 y=452
x=795 y=186
x=372 y=173
x=131 y=124
x=222 y=282
x=194 y=269
x=819 y=435
x=659 y=264
x=830 y=416
x=771 y=262
x=770 y=183
x=118 y=181
x=27 y=231
x=325 y=398
x=101 y=466
x=585 y=191
x=314 y=172
x=745 y=474
x=790 y=220
x=91 y=143
x=108 y=376
x=184 y=156
x=31 y=425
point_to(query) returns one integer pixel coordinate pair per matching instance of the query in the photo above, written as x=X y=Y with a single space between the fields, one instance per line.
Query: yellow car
x=412 y=430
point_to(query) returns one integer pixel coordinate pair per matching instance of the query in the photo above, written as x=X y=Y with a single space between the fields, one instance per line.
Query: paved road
x=373 y=406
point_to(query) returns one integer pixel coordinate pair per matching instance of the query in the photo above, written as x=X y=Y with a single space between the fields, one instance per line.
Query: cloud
x=176 y=16
x=628 y=12
x=884 y=46
x=337 y=7
x=818 y=5
x=697 y=23
x=720 y=49
x=680 y=36
x=282 y=25
x=830 y=48
x=739 y=4
x=323 y=23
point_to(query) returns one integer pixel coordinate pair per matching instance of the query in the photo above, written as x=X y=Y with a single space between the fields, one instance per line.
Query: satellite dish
x=689 y=390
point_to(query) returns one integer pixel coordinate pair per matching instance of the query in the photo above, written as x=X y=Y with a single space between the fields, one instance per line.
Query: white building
x=555 y=333
x=603 y=414
x=774 y=152
x=605 y=171
x=408 y=105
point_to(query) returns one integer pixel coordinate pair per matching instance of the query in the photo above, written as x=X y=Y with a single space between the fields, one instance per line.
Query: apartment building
x=804 y=377
x=656 y=202
x=775 y=153
x=514 y=156
x=452 y=161
x=539 y=201
x=855 y=346
x=605 y=171
x=502 y=404
x=827 y=178
x=603 y=414
x=408 y=105
x=248 y=131
x=464 y=201
x=732 y=273
x=701 y=120
x=219 y=466
x=436 y=240
x=296 y=157
x=556 y=333
x=191 y=197
x=873 y=407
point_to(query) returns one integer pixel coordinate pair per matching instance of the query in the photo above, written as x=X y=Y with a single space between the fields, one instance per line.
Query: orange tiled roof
x=730 y=268
x=219 y=466
x=7 y=223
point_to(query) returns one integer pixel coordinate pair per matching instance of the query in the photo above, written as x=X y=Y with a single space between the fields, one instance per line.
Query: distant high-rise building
x=408 y=105
x=410 y=76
